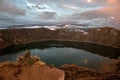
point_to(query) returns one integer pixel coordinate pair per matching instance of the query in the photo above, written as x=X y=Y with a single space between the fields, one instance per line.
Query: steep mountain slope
x=104 y=36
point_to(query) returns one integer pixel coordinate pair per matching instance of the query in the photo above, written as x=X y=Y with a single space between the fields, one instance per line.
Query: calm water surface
x=57 y=55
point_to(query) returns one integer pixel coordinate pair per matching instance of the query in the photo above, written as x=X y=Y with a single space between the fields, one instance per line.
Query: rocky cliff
x=29 y=68
x=104 y=36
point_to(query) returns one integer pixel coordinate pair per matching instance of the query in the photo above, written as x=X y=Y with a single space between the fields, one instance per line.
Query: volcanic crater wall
x=104 y=36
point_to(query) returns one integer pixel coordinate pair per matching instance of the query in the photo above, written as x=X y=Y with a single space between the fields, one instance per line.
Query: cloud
x=111 y=1
x=47 y=15
x=6 y=7
x=35 y=6
x=69 y=3
x=104 y=16
x=70 y=6
x=102 y=12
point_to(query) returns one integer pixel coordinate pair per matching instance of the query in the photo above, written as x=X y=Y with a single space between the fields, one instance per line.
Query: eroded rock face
x=74 y=72
x=29 y=67
x=38 y=71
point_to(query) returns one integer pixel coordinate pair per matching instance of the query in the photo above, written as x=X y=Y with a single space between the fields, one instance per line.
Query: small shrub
x=27 y=59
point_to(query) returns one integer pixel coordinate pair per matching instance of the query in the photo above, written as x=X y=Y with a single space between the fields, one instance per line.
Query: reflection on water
x=89 y=55
x=59 y=56
x=105 y=51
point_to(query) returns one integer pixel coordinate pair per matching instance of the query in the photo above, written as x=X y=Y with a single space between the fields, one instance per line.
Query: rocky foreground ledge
x=29 y=68
x=104 y=36
x=32 y=68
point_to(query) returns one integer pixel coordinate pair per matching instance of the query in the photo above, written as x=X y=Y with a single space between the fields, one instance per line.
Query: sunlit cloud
x=112 y=17
x=112 y=1
x=89 y=1
x=70 y=6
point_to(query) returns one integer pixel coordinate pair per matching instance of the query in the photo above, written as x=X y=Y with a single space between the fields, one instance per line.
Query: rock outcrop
x=74 y=72
x=29 y=68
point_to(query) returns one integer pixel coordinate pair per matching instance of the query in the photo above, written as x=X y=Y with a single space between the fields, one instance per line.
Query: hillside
x=104 y=36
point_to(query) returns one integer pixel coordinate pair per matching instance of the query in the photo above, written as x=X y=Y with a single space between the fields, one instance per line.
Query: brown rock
x=38 y=71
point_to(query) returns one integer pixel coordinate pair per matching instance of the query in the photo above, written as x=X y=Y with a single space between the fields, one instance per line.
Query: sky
x=87 y=12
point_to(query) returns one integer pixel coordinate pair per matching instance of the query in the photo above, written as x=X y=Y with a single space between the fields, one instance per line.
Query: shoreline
x=62 y=41
x=23 y=67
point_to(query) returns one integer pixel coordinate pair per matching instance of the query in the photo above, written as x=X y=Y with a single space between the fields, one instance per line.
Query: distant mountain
x=43 y=25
